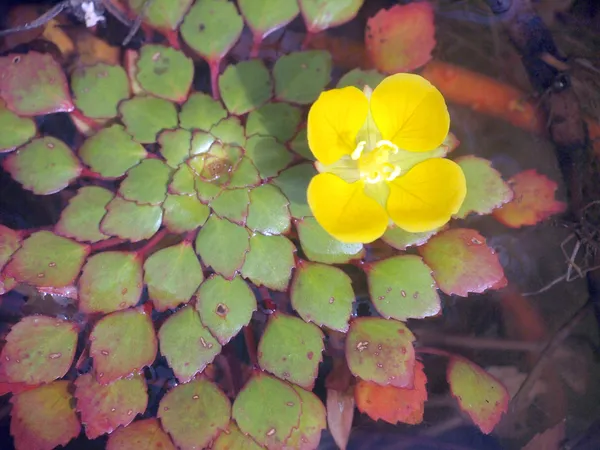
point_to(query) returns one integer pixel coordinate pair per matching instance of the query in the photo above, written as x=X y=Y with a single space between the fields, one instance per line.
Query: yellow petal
x=410 y=112
x=427 y=196
x=344 y=210
x=334 y=120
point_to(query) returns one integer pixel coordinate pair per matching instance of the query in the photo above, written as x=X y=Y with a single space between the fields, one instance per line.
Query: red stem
x=148 y=246
x=214 y=77
x=251 y=345
x=307 y=39
x=433 y=351
x=173 y=39
x=267 y=300
x=256 y=41
x=87 y=173
x=190 y=236
x=102 y=245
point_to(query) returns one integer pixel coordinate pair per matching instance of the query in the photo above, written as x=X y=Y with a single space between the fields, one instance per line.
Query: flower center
x=374 y=164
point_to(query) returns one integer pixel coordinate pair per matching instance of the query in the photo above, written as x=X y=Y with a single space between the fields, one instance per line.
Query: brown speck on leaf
x=381 y=297
x=222 y=310
x=196 y=397
x=290 y=403
x=416 y=294
x=271 y=432
x=380 y=365
x=104 y=352
x=40 y=275
x=50 y=145
x=303 y=66
x=54 y=355
x=156 y=56
x=113 y=409
x=286 y=374
x=201 y=27
x=403 y=293
x=51 y=264
x=388 y=290
x=362 y=346
x=123 y=291
x=331 y=300
x=403 y=350
x=310 y=355
x=122 y=305
x=16 y=60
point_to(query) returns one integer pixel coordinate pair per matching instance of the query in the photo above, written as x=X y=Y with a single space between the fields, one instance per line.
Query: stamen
x=390 y=146
x=358 y=150
x=374 y=177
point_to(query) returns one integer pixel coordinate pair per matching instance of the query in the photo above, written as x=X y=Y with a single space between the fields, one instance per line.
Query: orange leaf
x=401 y=38
x=340 y=412
x=393 y=404
x=533 y=200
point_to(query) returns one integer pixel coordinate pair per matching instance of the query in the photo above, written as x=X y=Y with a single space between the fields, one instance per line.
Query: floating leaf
x=131 y=221
x=201 y=142
x=14 y=130
x=533 y=200
x=322 y=14
x=381 y=351
x=105 y=408
x=187 y=344
x=291 y=349
x=301 y=76
x=146 y=434
x=479 y=394
x=340 y=413
x=46 y=259
x=110 y=281
x=145 y=116
x=184 y=213
x=299 y=145
x=323 y=294
x=293 y=182
x=44 y=166
x=402 y=288
x=99 y=89
x=268 y=212
x=122 y=343
x=34 y=84
x=206 y=191
x=223 y=246
x=211 y=28
x=264 y=16
x=183 y=182
x=401 y=39
x=462 y=262
x=268 y=155
x=279 y=120
x=175 y=146
x=225 y=306
x=165 y=72
x=81 y=218
x=232 y=204
x=486 y=190
x=194 y=413
x=164 y=15
x=38 y=349
x=229 y=131
x=10 y=241
x=111 y=152
x=312 y=422
x=245 y=86
x=201 y=112
x=268 y=410
x=245 y=175
x=270 y=261
x=233 y=439
x=401 y=239
x=44 y=418
x=360 y=78
x=146 y=183
x=393 y=404
x=320 y=246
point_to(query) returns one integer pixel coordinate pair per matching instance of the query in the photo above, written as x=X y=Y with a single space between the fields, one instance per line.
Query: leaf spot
x=54 y=355
x=362 y=346
x=271 y=432
x=403 y=293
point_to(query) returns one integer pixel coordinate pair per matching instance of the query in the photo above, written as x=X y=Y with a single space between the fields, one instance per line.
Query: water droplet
x=196 y=397
x=51 y=264
x=40 y=275
x=271 y=432
x=113 y=409
x=104 y=352
x=290 y=403
x=54 y=355
x=403 y=293
x=380 y=365
x=129 y=412
x=416 y=294
x=362 y=346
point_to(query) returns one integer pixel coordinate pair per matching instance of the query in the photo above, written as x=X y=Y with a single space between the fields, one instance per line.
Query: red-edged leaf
x=340 y=413
x=393 y=404
x=105 y=407
x=10 y=241
x=462 y=262
x=312 y=420
x=44 y=418
x=143 y=434
x=479 y=394
x=322 y=14
x=533 y=201
x=34 y=84
x=401 y=38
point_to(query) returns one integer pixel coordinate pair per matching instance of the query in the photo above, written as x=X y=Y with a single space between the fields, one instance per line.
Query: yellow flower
x=380 y=158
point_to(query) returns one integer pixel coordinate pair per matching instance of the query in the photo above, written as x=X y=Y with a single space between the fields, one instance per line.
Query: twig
x=477 y=343
x=137 y=23
x=40 y=21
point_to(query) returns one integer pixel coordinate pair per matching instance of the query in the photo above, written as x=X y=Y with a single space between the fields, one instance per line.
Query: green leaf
x=146 y=183
x=44 y=418
x=184 y=213
x=291 y=349
x=44 y=166
x=360 y=78
x=479 y=394
x=10 y=241
x=279 y=120
x=172 y=274
x=165 y=72
x=131 y=221
x=164 y=15
x=269 y=156
x=312 y=422
x=81 y=218
x=322 y=294
x=320 y=246
x=300 y=77
x=110 y=281
x=46 y=259
x=201 y=112
x=105 y=408
x=223 y=245
x=233 y=439
x=194 y=413
x=206 y=191
x=146 y=434
x=111 y=152
x=34 y=84
x=268 y=212
x=268 y=410
x=38 y=350
x=267 y=16
x=201 y=142
x=401 y=240
x=145 y=116
x=99 y=89
x=187 y=344
x=232 y=204
x=322 y=14
x=217 y=163
x=402 y=288
x=175 y=146
x=122 y=343
x=245 y=86
x=183 y=181
x=229 y=131
x=225 y=306
x=245 y=175
x=270 y=261
x=486 y=190
x=14 y=130
x=300 y=146
x=381 y=351
x=293 y=182
x=211 y=28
